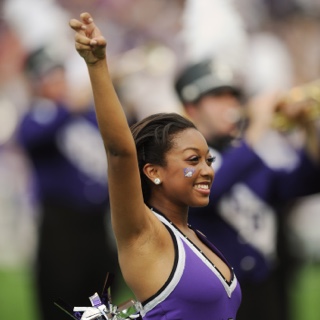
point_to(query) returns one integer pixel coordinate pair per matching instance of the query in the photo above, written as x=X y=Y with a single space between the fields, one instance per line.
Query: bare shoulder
x=147 y=262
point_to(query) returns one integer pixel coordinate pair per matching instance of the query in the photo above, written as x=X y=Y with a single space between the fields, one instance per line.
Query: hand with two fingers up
x=89 y=42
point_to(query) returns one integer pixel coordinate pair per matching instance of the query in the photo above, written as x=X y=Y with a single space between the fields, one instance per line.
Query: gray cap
x=40 y=62
x=205 y=77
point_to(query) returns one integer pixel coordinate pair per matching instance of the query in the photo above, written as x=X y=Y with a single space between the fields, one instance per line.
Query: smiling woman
x=156 y=171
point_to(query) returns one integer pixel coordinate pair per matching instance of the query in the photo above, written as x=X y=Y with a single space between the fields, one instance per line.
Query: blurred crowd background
x=272 y=44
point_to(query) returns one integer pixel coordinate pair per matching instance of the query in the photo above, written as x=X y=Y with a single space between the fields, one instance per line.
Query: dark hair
x=154 y=138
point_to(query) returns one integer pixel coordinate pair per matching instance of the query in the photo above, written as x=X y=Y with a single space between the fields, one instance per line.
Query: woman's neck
x=177 y=215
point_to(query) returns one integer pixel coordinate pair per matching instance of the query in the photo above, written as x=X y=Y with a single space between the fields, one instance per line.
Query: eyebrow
x=194 y=149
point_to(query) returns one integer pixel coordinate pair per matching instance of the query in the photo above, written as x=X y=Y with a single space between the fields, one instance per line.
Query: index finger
x=86 y=17
x=76 y=25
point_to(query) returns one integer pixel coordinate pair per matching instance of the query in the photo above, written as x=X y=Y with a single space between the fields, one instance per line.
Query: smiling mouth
x=202 y=186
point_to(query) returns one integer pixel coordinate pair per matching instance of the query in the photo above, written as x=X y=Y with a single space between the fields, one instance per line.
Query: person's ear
x=152 y=172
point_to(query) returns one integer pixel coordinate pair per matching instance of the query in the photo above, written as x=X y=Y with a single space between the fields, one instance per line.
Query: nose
x=206 y=170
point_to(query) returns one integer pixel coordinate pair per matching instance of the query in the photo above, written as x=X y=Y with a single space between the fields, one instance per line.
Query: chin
x=200 y=204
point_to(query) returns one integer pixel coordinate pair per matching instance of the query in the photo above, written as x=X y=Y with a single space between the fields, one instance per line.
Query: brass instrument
x=309 y=93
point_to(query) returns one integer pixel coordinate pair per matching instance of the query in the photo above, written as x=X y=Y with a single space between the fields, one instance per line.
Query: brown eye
x=211 y=160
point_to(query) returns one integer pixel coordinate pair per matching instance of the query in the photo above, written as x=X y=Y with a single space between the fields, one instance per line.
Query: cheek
x=188 y=172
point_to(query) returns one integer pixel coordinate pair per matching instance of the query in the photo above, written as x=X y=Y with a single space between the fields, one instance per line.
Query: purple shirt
x=67 y=154
x=195 y=288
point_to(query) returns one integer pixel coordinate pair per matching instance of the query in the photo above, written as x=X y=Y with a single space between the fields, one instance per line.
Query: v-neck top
x=195 y=288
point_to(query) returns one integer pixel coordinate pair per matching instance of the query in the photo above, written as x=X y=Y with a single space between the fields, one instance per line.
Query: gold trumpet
x=308 y=93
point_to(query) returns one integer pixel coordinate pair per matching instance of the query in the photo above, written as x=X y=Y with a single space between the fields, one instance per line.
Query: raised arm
x=128 y=210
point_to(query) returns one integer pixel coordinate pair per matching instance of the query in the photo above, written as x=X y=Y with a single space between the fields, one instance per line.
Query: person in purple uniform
x=257 y=172
x=75 y=250
x=156 y=171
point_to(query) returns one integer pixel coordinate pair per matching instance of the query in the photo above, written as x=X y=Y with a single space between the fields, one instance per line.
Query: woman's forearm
x=111 y=118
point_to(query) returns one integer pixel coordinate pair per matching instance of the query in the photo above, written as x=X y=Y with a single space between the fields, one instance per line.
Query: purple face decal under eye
x=188 y=172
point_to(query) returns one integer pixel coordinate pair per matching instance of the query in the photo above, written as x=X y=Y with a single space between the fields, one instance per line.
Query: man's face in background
x=217 y=115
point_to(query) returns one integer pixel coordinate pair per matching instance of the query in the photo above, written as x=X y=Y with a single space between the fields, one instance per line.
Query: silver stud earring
x=157 y=181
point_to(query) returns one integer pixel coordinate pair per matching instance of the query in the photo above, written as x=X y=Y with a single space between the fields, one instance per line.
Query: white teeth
x=202 y=186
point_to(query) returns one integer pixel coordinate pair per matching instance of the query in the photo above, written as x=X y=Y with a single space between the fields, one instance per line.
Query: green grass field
x=305 y=294
x=17 y=300
x=17 y=297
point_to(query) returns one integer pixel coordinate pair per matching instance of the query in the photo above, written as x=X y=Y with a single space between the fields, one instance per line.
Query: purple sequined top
x=195 y=288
